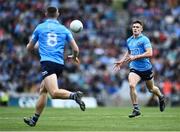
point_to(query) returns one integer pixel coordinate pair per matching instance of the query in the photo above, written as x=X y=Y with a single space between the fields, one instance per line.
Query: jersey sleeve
x=126 y=45
x=69 y=36
x=35 y=35
x=147 y=43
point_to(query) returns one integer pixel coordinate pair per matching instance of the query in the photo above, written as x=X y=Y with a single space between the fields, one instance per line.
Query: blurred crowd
x=102 y=42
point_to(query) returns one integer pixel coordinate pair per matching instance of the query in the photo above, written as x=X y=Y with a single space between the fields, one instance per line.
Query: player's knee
x=54 y=94
x=42 y=90
x=151 y=90
x=132 y=86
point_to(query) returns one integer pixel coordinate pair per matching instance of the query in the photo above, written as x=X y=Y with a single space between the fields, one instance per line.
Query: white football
x=76 y=26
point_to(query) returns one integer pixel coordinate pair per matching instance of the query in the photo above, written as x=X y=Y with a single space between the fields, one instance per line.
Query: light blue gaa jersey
x=138 y=46
x=52 y=37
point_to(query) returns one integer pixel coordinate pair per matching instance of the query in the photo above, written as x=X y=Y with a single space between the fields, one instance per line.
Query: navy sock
x=161 y=97
x=35 y=117
x=136 y=106
x=72 y=96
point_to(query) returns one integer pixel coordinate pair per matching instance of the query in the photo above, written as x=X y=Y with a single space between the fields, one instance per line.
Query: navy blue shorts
x=145 y=75
x=48 y=68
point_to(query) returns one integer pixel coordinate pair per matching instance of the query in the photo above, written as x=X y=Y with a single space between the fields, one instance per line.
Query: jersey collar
x=52 y=20
x=140 y=35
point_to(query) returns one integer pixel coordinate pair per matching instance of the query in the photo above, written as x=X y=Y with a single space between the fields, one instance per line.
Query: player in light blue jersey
x=50 y=38
x=138 y=55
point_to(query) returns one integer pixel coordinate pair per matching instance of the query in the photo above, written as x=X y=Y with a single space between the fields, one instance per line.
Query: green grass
x=99 y=119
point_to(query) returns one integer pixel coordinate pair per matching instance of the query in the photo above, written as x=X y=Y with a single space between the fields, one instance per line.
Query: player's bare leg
x=39 y=106
x=41 y=103
x=56 y=93
x=155 y=90
x=133 y=81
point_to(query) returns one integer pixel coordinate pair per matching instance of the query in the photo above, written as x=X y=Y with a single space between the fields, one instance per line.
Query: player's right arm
x=74 y=46
x=75 y=49
x=118 y=64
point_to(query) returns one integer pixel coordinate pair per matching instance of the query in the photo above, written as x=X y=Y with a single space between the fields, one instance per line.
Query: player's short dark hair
x=138 y=21
x=51 y=11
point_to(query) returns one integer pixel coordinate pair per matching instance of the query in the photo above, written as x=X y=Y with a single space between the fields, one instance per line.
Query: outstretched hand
x=118 y=64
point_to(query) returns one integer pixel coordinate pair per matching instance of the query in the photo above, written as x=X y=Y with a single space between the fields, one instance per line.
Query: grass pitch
x=99 y=119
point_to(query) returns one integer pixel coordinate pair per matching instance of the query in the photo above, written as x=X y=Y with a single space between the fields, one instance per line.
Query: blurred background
x=102 y=42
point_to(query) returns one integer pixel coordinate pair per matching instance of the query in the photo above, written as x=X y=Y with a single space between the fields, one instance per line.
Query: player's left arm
x=33 y=44
x=148 y=51
x=147 y=54
x=30 y=46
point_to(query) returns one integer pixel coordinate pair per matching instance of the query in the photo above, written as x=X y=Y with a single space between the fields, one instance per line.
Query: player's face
x=136 y=29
